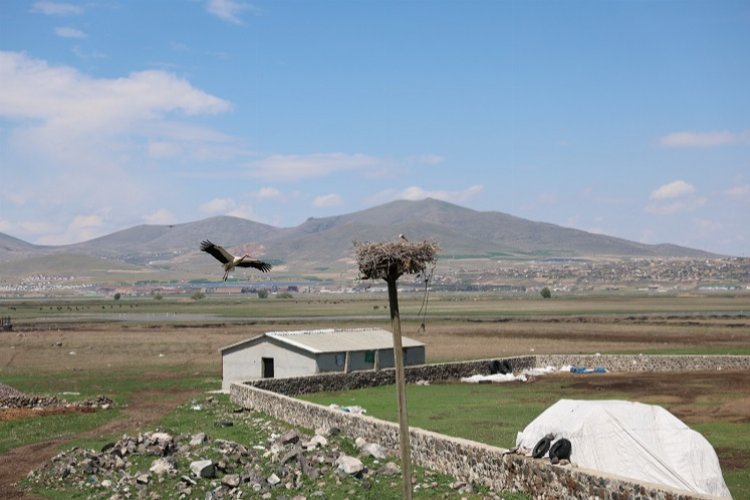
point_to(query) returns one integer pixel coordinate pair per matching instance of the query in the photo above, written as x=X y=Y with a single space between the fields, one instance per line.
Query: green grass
x=121 y=386
x=493 y=414
x=39 y=429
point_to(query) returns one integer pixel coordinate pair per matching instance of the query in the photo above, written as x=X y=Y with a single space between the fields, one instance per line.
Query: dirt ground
x=146 y=409
x=77 y=347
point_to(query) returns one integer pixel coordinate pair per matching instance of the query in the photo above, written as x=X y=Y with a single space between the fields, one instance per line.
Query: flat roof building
x=308 y=352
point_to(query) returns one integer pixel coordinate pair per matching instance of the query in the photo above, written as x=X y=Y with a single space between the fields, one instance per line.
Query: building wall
x=246 y=363
x=335 y=362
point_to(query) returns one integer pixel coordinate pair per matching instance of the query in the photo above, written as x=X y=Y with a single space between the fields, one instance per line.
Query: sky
x=625 y=118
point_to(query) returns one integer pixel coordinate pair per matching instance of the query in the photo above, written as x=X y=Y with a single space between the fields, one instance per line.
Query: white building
x=307 y=352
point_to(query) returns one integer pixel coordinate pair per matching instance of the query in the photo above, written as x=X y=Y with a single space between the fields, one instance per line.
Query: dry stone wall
x=643 y=363
x=468 y=460
x=331 y=382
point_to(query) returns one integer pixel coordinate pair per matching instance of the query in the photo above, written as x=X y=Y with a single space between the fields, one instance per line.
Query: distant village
x=512 y=277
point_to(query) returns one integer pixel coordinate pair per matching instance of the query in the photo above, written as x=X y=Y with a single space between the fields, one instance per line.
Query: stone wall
x=463 y=459
x=641 y=363
x=333 y=382
x=468 y=460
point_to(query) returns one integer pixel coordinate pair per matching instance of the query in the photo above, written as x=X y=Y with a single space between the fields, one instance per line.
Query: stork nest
x=394 y=258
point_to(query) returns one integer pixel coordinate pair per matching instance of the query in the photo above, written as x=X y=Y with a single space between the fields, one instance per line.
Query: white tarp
x=522 y=376
x=634 y=440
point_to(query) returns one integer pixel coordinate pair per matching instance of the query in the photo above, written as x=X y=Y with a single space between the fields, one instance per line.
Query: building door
x=267 y=367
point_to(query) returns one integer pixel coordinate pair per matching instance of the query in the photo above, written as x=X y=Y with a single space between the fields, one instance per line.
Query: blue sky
x=628 y=118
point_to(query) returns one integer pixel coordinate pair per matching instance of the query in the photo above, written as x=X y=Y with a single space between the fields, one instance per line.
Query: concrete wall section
x=247 y=363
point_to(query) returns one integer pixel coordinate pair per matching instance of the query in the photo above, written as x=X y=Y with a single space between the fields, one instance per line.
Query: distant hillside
x=460 y=231
x=327 y=242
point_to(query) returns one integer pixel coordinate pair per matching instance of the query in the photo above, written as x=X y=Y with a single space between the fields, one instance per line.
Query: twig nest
x=391 y=259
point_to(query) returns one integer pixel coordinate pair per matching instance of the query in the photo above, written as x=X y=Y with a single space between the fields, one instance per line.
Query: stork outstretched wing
x=217 y=251
x=257 y=264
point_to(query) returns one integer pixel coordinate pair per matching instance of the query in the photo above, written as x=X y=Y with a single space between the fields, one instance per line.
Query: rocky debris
x=203 y=468
x=371 y=449
x=13 y=398
x=198 y=439
x=350 y=465
x=284 y=464
x=389 y=469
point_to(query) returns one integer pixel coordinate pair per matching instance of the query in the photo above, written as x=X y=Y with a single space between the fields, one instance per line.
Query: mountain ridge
x=320 y=241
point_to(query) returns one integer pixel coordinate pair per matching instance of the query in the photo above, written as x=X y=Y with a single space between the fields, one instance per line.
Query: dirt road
x=146 y=408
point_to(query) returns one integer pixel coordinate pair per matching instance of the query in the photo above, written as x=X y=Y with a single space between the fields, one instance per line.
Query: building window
x=369 y=356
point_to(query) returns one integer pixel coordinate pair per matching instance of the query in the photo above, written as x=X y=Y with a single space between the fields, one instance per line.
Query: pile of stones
x=270 y=460
x=13 y=398
x=161 y=465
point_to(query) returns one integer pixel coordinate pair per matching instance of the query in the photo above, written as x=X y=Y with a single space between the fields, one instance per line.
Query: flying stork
x=230 y=261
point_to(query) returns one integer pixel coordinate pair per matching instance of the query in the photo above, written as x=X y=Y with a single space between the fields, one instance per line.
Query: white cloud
x=297 y=167
x=427 y=159
x=417 y=193
x=160 y=216
x=676 y=207
x=268 y=193
x=68 y=32
x=674 y=198
x=163 y=149
x=55 y=8
x=218 y=206
x=82 y=228
x=228 y=10
x=35 y=227
x=65 y=99
x=708 y=225
x=704 y=139
x=62 y=126
x=674 y=189
x=328 y=200
x=741 y=191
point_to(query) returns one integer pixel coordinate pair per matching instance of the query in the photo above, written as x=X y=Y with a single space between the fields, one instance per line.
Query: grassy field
x=716 y=405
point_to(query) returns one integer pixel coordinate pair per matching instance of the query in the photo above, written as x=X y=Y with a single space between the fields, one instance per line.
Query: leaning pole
x=388 y=261
x=398 y=356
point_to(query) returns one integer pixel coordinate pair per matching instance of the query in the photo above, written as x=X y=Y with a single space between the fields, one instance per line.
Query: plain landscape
x=156 y=358
x=138 y=317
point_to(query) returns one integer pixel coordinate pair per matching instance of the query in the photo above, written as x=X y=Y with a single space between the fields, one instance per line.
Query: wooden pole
x=398 y=356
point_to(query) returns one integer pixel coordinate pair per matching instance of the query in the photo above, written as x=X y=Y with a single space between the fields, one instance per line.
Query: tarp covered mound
x=634 y=440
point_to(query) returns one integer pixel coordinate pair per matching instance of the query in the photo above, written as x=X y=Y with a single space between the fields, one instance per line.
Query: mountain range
x=326 y=244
